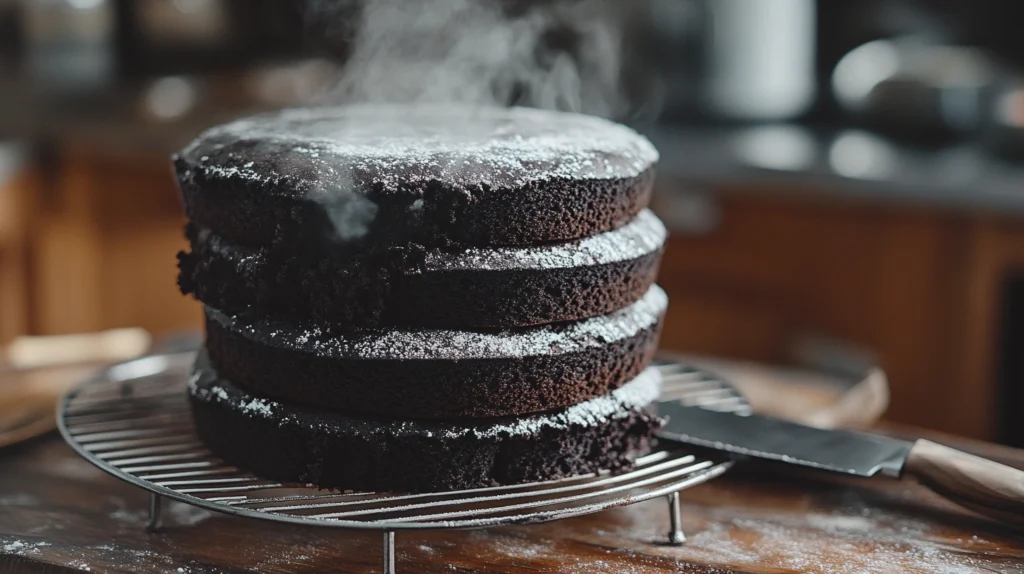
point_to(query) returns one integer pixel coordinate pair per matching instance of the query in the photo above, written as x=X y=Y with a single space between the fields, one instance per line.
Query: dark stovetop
x=841 y=164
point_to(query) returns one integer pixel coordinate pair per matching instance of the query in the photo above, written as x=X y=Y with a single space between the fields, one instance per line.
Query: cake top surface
x=397 y=148
x=442 y=344
x=642 y=236
x=640 y=392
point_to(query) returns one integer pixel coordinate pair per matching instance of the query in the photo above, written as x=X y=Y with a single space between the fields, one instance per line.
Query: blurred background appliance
x=729 y=59
x=925 y=66
x=69 y=44
x=201 y=36
x=910 y=85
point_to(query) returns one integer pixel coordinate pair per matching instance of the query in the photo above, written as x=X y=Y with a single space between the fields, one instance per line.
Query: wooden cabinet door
x=104 y=252
x=774 y=270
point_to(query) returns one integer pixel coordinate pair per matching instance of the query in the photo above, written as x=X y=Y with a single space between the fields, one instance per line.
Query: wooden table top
x=58 y=513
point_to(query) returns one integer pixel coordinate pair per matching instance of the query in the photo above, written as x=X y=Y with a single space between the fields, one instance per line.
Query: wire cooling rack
x=133 y=421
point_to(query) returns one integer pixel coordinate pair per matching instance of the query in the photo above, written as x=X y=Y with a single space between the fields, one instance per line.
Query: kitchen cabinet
x=105 y=233
x=19 y=180
x=918 y=288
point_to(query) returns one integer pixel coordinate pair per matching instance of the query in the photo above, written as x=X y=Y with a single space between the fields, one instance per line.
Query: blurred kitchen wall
x=94 y=97
x=842 y=179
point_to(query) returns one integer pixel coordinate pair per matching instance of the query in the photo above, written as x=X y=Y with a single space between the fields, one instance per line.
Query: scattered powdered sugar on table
x=138 y=515
x=298 y=554
x=18 y=499
x=186 y=514
x=18 y=547
x=328 y=149
x=840 y=524
x=114 y=553
x=448 y=344
x=860 y=543
x=426 y=549
x=521 y=548
x=123 y=512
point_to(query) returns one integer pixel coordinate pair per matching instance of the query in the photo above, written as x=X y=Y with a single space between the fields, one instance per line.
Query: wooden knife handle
x=985 y=486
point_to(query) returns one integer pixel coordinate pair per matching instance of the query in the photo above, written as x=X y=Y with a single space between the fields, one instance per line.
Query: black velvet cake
x=437 y=373
x=292 y=443
x=463 y=288
x=431 y=175
x=423 y=298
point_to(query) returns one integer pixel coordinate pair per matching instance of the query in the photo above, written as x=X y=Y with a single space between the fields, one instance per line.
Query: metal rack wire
x=132 y=421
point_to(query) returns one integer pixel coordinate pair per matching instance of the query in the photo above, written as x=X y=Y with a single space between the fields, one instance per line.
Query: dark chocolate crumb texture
x=437 y=373
x=387 y=175
x=467 y=288
x=297 y=444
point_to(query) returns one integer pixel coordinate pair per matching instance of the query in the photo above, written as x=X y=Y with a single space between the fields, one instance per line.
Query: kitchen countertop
x=60 y=514
x=840 y=164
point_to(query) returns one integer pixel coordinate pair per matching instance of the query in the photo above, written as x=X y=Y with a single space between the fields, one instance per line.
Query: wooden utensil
x=36 y=371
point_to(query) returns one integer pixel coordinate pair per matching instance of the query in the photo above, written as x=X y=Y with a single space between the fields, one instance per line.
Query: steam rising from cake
x=552 y=55
x=349 y=213
x=470 y=54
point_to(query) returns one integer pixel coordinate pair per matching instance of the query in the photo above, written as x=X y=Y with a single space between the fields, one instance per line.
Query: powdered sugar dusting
x=22 y=547
x=259 y=407
x=867 y=541
x=207 y=392
x=187 y=515
x=636 y=394
x=193 y=381
x=332 y=150
x=220 y=393
x=449 y=344
x=642 y=236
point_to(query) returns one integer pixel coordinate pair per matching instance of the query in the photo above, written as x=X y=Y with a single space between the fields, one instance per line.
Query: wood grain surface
x=989 y=487
x=59 y=514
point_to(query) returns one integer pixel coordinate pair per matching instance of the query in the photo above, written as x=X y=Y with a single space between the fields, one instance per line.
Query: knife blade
x=848 y=452
x=982 y=485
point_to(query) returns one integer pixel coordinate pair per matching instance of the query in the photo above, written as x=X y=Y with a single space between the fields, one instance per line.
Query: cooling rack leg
x=156 y=512
x=675 y=533
x=389 y=552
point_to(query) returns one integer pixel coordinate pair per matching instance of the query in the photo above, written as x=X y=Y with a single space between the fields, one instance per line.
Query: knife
x=982 y=485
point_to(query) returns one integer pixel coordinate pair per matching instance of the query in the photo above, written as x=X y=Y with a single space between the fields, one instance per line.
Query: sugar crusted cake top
x=642 y=236
x=393 y=148
x=638 y=393
x=444 y=344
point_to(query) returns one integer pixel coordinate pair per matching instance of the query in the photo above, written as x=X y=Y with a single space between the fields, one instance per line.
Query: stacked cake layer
x=423 y=298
